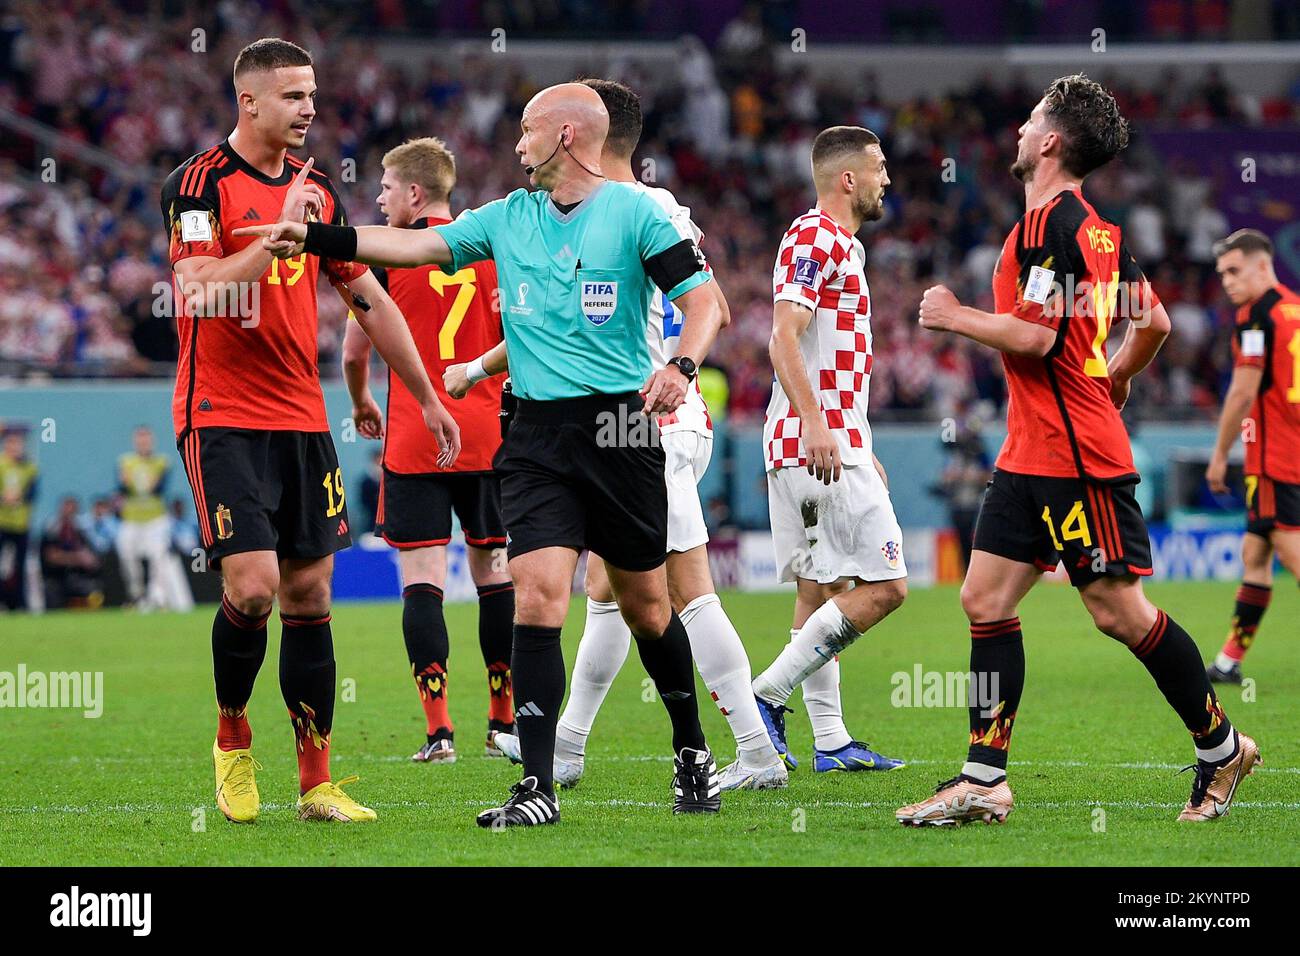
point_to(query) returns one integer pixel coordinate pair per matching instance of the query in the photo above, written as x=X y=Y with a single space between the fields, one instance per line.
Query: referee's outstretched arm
x=373 y=245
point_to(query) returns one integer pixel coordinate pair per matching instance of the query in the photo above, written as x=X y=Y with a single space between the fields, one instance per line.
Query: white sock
x=821 y=695
x=724 y=667
x=981 y=772
x=1221 y=752
x=822 y=636
x=601 y=653
x=1224 y=662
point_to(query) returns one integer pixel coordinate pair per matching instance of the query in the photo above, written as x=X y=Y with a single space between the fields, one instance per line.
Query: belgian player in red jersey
x=1063 y=484
x=250 y=418
x=1263 y=407
x=452 y=318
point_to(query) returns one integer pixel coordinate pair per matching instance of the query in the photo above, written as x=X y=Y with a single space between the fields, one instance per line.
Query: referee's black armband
x=331 y=242
x=674 y=265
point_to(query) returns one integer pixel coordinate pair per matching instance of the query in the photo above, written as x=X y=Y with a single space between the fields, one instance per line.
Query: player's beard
x=869 y=211
x=1023 y=169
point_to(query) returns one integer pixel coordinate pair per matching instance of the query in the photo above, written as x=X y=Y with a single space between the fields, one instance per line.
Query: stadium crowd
x=81 y=258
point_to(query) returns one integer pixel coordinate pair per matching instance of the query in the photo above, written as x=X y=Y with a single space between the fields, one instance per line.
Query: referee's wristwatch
x=685 y=365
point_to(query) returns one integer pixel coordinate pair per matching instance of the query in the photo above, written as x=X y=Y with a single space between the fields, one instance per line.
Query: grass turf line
x=1093 y=734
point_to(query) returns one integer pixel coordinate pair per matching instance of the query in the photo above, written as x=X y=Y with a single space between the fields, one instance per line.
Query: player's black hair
x=270 y=53
x=624 y=108
x=1247 y=240
x=835 y=141
x=1089 y=121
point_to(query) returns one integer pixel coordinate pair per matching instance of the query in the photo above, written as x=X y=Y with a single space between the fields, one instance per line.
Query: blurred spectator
x=69 y=565
x=728 y=131
x=101 y=526
x=370 y=484
x=18 y=476
x=144 y=539
x=965 y=474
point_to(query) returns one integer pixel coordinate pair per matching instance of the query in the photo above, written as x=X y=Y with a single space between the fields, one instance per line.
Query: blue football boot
x=774 y=720
x=854 y=755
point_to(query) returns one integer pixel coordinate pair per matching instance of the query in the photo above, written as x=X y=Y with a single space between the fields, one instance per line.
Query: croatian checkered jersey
x=663 y=334
x=820 y=265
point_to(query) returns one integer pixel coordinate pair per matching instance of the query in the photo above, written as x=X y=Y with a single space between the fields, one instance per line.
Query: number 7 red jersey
x=1065 y=267
x=453 y=319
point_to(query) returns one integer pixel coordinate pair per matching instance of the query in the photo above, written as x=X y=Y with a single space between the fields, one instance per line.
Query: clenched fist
x=938 y=306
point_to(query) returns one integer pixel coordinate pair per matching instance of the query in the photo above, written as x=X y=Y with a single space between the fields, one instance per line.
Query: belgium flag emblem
x=224 y=526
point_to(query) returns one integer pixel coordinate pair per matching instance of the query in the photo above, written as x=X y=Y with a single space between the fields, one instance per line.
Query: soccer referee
x=582 y=466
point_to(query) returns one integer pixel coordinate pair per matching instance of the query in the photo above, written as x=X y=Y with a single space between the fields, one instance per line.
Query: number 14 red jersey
x=453 y=320
x=1065 y=267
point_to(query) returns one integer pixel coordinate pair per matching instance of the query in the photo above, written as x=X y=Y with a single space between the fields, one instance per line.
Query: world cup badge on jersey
x=520 y=306
x=225 y=527
x=599 y=300
x=805 y=271
x=892 y=551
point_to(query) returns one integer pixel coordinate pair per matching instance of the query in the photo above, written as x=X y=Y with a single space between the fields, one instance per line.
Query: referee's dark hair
x=837 y=141
x=624 y=108
x=269 y=53
x=1085 y=114
x=1246 y=240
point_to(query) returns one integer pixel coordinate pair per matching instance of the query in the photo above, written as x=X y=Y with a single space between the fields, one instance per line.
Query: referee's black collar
x=566 y=214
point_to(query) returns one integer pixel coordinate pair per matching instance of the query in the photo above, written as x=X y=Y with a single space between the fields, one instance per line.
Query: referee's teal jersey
x=574 y=286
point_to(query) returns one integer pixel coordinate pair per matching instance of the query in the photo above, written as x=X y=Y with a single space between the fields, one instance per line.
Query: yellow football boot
x=326 y=801
x=236 y=786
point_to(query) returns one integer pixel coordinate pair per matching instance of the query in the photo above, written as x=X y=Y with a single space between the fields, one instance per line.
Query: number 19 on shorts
x=334 y=490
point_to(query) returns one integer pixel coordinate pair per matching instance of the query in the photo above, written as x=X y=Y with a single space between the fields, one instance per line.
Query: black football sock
x=238 y=649
x=997 y=679
x=307 y=675
x=667 y=660
x=537 y=664
x=424 y=629
x=1171 y=656
x=1252 y=602
x=496 y=630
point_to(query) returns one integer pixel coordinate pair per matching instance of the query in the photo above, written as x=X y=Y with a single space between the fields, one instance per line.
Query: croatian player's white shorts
x=826 y=532
x=686 y=459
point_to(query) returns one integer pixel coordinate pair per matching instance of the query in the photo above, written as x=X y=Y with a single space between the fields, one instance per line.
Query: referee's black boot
x=527 y=807
x=695 y=782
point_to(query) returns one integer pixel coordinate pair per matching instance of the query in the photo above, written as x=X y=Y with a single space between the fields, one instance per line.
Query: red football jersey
x=1065 y=267
x=255 y=365
x=1268 y=337
x=452 y=320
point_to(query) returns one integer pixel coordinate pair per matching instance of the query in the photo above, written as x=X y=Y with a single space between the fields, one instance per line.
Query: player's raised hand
x=303 y=197
x=1216 y=475
x=937 y=307
x=445 y=431
x=664 y=391
x=456 y=381
x=368 y=418
x=822 y=450
x=282 y=239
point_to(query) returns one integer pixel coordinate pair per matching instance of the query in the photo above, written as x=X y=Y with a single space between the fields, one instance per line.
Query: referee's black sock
x=537 y=665
x=1171 y=656
x=667 y=660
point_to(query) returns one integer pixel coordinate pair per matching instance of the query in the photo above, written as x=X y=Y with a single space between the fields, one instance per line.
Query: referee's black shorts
x=585 y=473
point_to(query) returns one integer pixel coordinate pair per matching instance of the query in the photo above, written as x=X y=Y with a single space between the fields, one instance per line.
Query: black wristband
x=331 y=242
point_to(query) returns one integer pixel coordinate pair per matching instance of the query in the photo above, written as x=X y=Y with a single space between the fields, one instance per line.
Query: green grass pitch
x=1093 y=762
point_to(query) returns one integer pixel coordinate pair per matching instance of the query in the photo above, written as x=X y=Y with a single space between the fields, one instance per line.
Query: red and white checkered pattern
x=820 y=265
